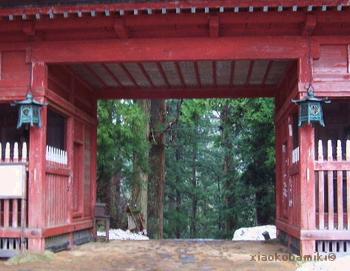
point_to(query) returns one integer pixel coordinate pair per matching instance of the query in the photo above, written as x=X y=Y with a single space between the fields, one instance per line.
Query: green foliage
x=234 y=140
x=118 y=140
x=219 y=161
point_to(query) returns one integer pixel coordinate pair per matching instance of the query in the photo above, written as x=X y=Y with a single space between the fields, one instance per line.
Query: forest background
x=193 y=168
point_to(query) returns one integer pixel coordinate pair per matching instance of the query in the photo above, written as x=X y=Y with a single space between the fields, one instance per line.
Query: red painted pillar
x=307 y=186
x=94 y=169
x=37 y=162
x=307 y=158
x=70 y=149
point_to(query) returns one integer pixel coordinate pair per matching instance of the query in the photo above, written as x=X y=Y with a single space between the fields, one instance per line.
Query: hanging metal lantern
x=310 y=108
x=29 y=111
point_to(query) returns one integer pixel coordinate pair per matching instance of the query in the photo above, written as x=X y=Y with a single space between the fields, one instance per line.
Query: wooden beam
x=196 y=70
x=120 y=29
x=129 y=75
x=214 y=73
x=115 y=78
x=288 y=228
x=331 y=88
x=170 y=49
x=179 y=73
x=60 y=103
x=77 y=226
x=251 y=65
x=145 y=74
x=348 y=58
x=78 y=78
x=324 y=235
x=94 y=74
x=267 y=71
x=28 y=28
x=232 y=74
x=332 y=165
x=309 y=25
x=214 y=26
x=186 y=93
x=161 y=70
x=158 y=5
x=183 y=20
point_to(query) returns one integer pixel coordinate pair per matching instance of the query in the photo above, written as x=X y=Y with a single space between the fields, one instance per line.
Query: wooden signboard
x=12 y=181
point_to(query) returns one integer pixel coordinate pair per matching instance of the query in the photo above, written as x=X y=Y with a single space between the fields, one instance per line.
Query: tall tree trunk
x=193 y=225
x=113 y=200
x=229 y=180
x=140 y=182
x=157 y=169
x=220 y=207
x=177 y=194
x=193 y=228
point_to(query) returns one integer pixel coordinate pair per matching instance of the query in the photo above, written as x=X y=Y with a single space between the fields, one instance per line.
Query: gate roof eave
x=51 y=8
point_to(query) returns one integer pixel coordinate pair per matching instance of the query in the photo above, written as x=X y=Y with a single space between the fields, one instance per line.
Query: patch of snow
x=254 y=233
x=119 y=234
x=341 y=263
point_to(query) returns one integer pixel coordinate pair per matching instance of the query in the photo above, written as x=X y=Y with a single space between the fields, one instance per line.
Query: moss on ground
x=30 y=258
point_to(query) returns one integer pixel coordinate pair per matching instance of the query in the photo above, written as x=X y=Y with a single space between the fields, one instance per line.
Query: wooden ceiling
x=244 y=78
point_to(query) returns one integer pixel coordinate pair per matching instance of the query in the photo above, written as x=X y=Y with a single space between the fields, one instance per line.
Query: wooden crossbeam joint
x=309 y=25
x=120 y=29
x=214 y=26
x=29 y=29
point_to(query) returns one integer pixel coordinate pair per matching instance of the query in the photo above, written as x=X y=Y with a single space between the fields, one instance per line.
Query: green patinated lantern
x=29 y=112
x=310 y=108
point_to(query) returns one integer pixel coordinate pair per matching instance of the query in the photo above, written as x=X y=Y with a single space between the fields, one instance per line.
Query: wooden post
x=307 y=186
x=320 y=188
x=340 y=189
x=307 y=157
x=70 y=153
x=94 y=169
x=37 y=161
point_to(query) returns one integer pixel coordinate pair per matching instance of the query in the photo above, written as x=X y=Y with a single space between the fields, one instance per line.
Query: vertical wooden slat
x=1 y=214
x=49 y=199
x=6 y=213
x=55 y=201
x=339 y=188
x=334 y=246
x=319 y=246
x=7 y=152
x=330 y=188
x=60 y=199
x=326 y=246
x=15 y=152
x=348 y=184
x=5 y=243
x=23 y=213
x=10 y=240
x=320 y=188
x=24 y=152
x=342 y=246
x=14 y=213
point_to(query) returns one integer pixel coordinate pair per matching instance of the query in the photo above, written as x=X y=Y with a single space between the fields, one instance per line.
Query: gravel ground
x=158 y=255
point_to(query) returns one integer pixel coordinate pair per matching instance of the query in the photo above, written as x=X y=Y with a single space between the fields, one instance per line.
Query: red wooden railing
x=13 y=211
x=333 y=185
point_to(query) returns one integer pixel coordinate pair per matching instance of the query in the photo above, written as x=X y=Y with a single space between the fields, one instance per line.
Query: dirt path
x=161 y=255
